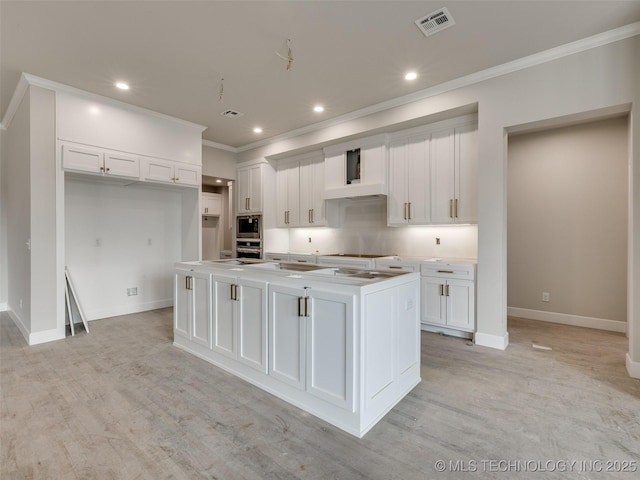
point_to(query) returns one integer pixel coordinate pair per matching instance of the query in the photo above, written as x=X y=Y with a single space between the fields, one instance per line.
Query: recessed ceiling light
x=257 y=130
x=411 y=76
x=318 y=108
x=122 y=86
x=218 y=181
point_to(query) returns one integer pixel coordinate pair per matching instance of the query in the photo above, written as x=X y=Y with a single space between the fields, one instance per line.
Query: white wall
x=118 y=237
x=569 y=84
x=567 y=214
x=3 y=220
x=218 y=163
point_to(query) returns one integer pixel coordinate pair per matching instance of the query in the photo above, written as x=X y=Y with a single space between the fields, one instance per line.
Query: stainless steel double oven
x=249 y=236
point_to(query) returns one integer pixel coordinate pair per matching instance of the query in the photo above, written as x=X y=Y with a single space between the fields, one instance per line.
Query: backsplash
x=363 y=229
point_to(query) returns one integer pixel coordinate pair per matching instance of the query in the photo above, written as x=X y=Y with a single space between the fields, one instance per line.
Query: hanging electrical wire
x=221 y=91
x=289 y=57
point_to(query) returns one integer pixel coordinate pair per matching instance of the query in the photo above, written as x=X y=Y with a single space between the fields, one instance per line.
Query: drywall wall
x=558 y=84
x=218 y=163
x=567 y=220
x=3 y=221
x=119 y=237
x=18 y=208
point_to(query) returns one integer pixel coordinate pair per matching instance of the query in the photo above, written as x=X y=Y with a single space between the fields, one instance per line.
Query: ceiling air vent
x=435 y=21
x=231 y=114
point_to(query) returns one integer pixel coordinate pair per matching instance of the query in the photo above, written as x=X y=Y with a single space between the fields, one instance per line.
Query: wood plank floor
x=123 y=403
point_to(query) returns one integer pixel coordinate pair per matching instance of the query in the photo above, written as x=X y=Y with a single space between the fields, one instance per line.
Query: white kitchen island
x=341 y=344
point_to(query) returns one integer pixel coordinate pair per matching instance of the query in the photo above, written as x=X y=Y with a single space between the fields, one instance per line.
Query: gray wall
x=567 y=219
x=3 y=220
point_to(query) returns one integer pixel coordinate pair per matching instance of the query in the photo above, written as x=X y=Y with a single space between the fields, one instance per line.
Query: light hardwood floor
x=123 y=403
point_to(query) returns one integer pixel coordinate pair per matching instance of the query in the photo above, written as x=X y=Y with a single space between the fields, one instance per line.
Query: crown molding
x=219 y=146
x=555 y=53
x=26 y=80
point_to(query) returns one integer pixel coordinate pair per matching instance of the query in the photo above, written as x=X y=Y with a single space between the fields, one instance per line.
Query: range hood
x=355 y=191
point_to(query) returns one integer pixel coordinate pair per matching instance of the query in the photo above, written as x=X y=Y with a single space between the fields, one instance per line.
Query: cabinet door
x=466 y=167
x=201 y=315
x=183 y=306
x=224 y=325
x=288 y=194
x=252 y=324
x=243 y=185
x=442 y=176
x=250 y=189
x=82 y=159
x=255 y=197
x=312 y=206
x=211 y=204
x=287 y=333
x=419 y=198
x=433 y=302
x=407 y=325
x=186 y=175
x=461 y=304
x=122 y=165
x=157 y=170
x=329 y=347
x=398 y=198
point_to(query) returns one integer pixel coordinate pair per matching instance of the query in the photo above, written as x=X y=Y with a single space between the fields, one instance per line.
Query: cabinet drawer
x=302 y=258
x=398 y=265
x=465 y=271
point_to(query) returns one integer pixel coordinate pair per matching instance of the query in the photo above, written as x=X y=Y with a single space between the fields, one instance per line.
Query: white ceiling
x=347 y=54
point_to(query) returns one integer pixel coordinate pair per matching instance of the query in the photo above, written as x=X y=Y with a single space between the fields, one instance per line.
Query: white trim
x=492 y=341
x=26 y=79
x=555 y=53
x=18 y=323
x=4 y=307
x=633 y=368
x=126 y=310
x=219 y=146
x=45 y=336
x=567 y=319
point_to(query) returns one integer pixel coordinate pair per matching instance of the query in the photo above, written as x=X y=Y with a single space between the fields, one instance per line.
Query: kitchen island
x=340 y=343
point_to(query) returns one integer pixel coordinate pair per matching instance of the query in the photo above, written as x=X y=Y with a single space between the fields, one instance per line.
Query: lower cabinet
x=192 y=309
x=311 y=342
x=240 y=320
x=447 y=301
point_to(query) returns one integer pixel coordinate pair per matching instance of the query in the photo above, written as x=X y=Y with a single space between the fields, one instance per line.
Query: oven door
x=248 y=252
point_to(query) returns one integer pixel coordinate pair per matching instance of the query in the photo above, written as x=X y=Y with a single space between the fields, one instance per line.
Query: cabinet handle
x=404 y=213
x=313 y=216
x=102 y=169
x=248 y=203
x=177 y=179
x=456 y=211
x=394 y=266
x=108 y=169
x=231 y=292
x=450 y=208
x=441 y=290
x=310 y=221
x=445 y=271
x=409 y=210
x=187 y=282
x=306 y=307
x=447 y=290
x=301 y=261
x=299 y=307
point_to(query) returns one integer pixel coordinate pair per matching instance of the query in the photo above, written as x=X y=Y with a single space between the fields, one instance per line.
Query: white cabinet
x=165 y=171
x=345 y=261
x=303 y=258
x=356 y=168
x=448 y=295
x=211 y=204
x=240 y=320
x=277 y=257
x=397 y=264
x=191 y=312
x=312 y=205
x=409 y=199
x=454 y=169
x=300 y=183
x=99 y=161
x=288 y=194
x=311 y=342
x=249 y=188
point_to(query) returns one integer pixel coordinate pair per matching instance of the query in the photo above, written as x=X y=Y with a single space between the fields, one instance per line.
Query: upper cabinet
x=211 y=204
x=454 y=172
x=165 y=171
x=408 y=202
x=300 y=183
x=85 y=159
x=433 y=174
x=249 y=188
x=356 y=168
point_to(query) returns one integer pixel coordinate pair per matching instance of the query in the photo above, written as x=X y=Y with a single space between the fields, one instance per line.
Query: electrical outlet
x=98 y=242
x=545 y=297
x=309 y=239
x=150 y=241
x=132 y=291
x=437 y=240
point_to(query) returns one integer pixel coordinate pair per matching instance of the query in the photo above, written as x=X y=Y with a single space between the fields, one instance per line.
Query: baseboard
x=127 y=309
x=18 y=323
x=500 y=342
x=45 y=336
x=633 y=368
x=4 y=307
x=36 y=337
x=566 y=319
